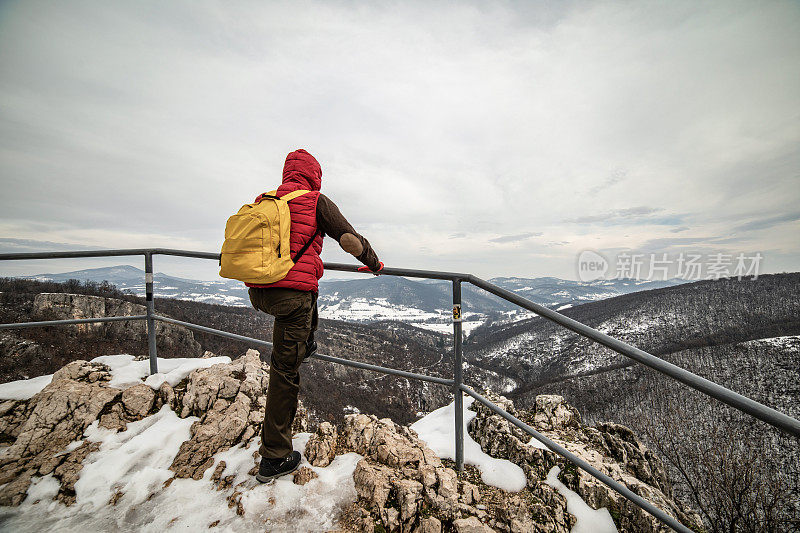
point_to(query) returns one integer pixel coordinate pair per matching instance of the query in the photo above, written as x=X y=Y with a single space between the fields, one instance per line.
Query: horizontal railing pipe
x=405 y=272
x=68 y=321
x=69 y=255
x=734 y=399
x=577 y=461
x=342 y=267
x=384 y=370
x=212 y=331
x=186 y=253
x=329 y=358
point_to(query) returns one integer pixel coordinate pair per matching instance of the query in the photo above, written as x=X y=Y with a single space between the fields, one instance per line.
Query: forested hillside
x=744 y=335
x=660 y=321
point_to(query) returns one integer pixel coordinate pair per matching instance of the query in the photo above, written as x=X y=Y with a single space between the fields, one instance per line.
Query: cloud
x=124 y=127
x=666 y=243
x=11 y=246
x=616 y=177
x=617 y=215
x=768 y=222
x=515 y=238
x=679 y=229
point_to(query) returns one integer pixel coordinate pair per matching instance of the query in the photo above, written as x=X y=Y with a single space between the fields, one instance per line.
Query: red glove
x=374 y=272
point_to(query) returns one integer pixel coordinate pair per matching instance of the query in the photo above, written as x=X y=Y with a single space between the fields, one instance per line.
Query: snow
x=136 y=463
x=367 y=310
x=437 y=430
x=467 y=326
x=127 y=372
x=72 y=446
x=785 y=342
x=374 y=309
x=24 y=389
x=588 y=520
x=567 y=306
x=537 y=444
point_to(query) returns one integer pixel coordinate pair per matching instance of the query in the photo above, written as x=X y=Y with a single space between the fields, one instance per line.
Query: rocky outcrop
x=52 y=419
x=402 y=483
x=402 y=486
x=611 y=448
x=230 y=401
x=62 y=306
x=321 y=447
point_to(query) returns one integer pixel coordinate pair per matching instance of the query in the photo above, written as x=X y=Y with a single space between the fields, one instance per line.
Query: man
x=293 y=303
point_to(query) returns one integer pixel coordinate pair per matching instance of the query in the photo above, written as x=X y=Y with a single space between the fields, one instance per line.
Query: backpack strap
x=294 y=194
x=302 y=250
x=288 y=197
x=265 y=195
x=291 y=196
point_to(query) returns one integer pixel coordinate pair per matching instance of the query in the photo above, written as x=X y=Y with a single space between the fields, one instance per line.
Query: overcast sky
x=496 y=138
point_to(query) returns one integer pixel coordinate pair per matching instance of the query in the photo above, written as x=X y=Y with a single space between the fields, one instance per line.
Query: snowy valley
x=423 y=303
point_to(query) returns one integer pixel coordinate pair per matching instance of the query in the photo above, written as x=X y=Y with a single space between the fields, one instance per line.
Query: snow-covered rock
x=86 y=453
x=611 y=448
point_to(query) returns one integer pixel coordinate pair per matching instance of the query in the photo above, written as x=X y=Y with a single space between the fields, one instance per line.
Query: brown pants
x=296 y=319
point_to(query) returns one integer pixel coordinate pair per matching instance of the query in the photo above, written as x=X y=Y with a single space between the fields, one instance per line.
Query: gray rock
x=408 y=493
x=226 y=398
x=611 y=448
x=56 y=416
x=470 y=493
x=429 y=525
x=303 y=475
x=138 y=400
x=553 y=413
x=373 y=483
x=472 y=525
x=321 y=447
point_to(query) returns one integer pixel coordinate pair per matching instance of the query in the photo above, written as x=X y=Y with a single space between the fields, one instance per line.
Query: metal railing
x=742 y=403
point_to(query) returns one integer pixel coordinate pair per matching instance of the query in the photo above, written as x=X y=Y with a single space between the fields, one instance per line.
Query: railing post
x=457 y=375
x=151 y=326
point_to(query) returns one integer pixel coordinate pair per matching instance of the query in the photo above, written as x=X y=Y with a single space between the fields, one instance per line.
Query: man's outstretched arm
x=331 y=221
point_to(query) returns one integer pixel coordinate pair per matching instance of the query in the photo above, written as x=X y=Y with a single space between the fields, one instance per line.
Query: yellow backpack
x=256 y=247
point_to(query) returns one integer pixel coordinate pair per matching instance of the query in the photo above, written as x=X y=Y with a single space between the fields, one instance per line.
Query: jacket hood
x=303 y=169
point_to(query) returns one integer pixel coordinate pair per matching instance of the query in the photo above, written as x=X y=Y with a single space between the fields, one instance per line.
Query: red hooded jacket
x=302 y=171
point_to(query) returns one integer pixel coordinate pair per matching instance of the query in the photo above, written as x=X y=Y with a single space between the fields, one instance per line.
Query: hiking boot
x=311 y=349
x=269 y=469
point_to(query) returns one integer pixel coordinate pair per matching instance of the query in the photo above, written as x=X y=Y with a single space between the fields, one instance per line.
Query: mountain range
x=424 y=303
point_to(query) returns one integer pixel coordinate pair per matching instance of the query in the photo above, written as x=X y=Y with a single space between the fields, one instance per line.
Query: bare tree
x=720 y=464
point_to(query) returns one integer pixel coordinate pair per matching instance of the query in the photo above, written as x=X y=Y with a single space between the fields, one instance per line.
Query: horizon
x=347 y=276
